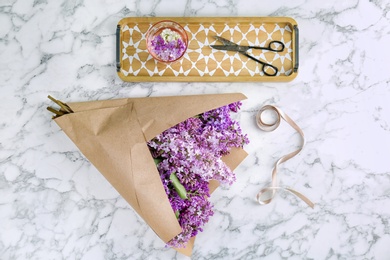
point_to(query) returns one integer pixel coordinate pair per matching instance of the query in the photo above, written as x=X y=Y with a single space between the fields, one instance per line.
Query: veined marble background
x=55 y=205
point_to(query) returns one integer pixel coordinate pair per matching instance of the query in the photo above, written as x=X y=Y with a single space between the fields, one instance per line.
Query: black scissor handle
x=266 y=67
x=276 y=46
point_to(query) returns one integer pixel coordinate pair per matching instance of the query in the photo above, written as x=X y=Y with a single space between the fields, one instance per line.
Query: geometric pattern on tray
x=201 y=60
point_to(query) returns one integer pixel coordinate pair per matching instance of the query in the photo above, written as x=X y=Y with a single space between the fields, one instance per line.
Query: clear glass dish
x=167 y=41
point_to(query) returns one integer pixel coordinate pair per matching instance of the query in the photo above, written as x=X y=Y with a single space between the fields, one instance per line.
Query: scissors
x=275 y=46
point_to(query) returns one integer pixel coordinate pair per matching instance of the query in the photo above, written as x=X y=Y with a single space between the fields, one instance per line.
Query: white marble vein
x=55 y=205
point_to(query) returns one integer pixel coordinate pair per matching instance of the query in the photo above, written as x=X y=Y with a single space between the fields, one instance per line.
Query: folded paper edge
x=91 y=140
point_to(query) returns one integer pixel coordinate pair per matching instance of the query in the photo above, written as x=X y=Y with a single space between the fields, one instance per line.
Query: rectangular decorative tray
x=201 y=62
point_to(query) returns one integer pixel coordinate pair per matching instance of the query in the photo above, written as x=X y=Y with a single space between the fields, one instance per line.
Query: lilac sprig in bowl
x=167 y=41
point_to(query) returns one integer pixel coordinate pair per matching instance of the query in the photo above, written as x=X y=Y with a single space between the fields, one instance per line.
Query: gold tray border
x=152 y=20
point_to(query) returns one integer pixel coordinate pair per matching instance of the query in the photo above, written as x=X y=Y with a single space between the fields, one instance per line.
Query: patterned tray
x=201 y=62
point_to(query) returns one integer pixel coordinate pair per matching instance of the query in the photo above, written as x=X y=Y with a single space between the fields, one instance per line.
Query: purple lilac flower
x=193 y=151
x=167 y=50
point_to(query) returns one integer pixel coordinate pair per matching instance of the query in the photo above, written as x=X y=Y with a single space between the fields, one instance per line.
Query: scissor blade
x=226 y=47
x=224 y=41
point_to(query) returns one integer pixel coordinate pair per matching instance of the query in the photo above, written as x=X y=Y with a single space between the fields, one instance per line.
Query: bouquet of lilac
x=188 y=156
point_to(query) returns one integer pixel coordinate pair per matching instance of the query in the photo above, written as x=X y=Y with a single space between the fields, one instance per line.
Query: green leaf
x=178 y=186
x=157 y=160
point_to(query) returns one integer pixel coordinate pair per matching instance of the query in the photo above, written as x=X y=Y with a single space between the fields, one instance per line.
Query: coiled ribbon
x=274 y=184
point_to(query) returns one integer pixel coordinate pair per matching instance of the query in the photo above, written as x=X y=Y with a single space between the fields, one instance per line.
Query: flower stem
x=178 y=186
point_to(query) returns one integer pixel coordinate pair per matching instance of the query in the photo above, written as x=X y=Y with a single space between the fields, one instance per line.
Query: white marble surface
x=55 y=205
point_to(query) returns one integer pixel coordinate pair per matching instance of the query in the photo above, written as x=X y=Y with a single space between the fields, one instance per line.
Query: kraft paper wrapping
x=113 y=135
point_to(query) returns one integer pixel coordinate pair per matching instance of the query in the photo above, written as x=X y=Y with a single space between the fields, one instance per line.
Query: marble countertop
x=55 y=205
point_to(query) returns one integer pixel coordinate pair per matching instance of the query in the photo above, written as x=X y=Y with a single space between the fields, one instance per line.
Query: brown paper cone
x=113 y=135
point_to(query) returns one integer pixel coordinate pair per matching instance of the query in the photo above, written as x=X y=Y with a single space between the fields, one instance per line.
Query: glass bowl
x=166 y=41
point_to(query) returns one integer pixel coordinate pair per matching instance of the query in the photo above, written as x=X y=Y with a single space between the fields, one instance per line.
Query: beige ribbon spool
x=270 y=127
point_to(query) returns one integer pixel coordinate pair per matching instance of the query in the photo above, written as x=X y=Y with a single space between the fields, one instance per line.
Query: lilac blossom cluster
x=167 y=50
x=192 y=151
